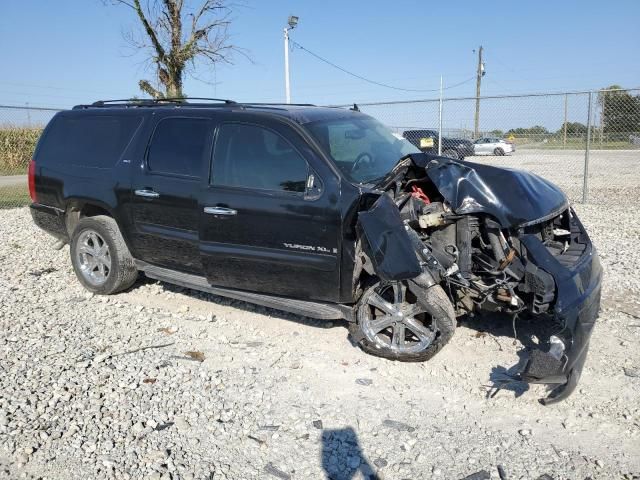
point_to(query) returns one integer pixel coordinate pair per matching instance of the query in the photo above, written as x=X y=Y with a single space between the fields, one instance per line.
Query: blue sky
x=63 y=52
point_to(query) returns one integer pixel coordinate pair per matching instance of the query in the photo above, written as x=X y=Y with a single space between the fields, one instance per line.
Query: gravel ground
x=163 y=382
x=613 y=174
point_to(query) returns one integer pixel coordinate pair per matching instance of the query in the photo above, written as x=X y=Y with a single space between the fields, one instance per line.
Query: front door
x=269 y=217
x=165 y=193
x=481 y=146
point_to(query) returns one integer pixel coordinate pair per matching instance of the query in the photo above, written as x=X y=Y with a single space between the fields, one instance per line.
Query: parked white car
x=493 y=146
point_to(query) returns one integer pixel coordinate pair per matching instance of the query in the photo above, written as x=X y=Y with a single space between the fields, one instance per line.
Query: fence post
x=566 y=102
x=585 y=185
x=440 y=120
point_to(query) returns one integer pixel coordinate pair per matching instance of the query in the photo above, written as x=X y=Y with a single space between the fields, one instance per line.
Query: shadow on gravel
x=530 y=332
x=342 y=457
x=240 y=305
x=495 y=325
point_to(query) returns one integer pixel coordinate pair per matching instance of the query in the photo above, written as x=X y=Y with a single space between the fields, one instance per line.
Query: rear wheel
x=499 y=152
x=451 y=154
x=402 y=321
x=100 y=257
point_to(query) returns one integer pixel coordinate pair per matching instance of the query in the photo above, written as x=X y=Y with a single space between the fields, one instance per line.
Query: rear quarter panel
x=62 y=186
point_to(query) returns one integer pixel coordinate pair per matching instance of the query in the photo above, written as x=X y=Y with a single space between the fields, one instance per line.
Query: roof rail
x=186 y=102
x=152 y=101
x=277 y=104
x=186 y=99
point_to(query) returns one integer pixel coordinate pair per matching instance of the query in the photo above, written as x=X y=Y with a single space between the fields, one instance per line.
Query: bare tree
x=174 y=50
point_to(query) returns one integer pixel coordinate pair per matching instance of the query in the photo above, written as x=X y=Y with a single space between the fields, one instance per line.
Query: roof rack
x=277 y=104
x=146 y=102
x=186 y=102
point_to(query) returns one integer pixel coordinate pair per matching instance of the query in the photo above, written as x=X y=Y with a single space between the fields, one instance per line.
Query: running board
x=320 y=310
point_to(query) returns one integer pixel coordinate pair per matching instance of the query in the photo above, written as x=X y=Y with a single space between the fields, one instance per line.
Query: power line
x=360 y=77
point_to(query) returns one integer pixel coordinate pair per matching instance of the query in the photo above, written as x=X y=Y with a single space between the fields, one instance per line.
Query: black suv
x=318 y=211
x=427 y=141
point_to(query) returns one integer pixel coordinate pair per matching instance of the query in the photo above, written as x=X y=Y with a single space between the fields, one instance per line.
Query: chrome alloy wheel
x=93 y=257
x=391 y=318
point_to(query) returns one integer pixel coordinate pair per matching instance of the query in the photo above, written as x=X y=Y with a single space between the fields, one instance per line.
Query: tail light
x=31 y=177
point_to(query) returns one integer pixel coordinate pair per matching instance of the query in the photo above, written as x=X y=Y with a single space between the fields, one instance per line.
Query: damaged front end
x=497 y=240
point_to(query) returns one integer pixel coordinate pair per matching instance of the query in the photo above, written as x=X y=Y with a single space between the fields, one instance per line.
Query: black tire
x=121 y=273
x=437 y=305
x=450 y=153
x=499 y=152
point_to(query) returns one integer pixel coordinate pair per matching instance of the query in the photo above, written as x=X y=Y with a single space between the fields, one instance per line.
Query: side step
x=320 y=310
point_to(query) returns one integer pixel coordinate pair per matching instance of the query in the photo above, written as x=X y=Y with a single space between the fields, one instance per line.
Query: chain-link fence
x=586 y=142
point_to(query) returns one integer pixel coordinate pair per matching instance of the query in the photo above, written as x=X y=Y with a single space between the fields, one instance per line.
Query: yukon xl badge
x=310 y=248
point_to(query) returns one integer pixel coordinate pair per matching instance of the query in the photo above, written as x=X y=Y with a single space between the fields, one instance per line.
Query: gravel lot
x=613 y=174
x=163 y=382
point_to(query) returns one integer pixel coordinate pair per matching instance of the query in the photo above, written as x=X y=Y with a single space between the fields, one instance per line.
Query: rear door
x=492 y=144
x=269 y=216
x=166 y=187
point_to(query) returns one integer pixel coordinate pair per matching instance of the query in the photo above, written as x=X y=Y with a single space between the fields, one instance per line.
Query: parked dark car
x=321 y=212
x=427 y=141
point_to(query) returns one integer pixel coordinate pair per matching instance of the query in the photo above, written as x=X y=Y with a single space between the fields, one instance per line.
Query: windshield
x=363 y=148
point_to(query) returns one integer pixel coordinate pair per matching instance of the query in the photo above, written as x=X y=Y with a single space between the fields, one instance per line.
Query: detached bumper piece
x=578 y=289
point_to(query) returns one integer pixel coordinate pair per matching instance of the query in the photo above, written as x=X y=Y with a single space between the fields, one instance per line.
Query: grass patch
x=14 y=196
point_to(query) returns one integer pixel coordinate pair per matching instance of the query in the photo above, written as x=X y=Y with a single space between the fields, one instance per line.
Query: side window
x=96 y=141
x=178 y=146
x=255 y=157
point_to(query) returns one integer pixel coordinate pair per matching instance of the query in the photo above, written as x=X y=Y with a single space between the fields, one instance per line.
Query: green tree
x=573 y=128
x=535 y=130
x=176 y=50
x=620 y=110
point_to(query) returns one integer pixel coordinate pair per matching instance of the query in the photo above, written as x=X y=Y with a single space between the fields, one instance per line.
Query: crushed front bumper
x=576 y=309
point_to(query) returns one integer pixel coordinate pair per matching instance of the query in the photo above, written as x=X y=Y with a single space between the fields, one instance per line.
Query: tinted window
x=254 y=157
x=178 y=146
x=91 y=141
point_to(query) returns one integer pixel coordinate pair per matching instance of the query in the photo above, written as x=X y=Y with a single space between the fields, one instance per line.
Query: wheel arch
x=78 y=208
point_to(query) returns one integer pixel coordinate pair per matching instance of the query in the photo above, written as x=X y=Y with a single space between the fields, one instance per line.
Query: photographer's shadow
x=342 y=457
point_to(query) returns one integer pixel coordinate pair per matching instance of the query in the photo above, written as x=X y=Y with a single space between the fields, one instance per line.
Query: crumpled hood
x=513 y=197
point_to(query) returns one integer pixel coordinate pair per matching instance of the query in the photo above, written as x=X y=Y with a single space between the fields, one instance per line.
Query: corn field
x=16 y=148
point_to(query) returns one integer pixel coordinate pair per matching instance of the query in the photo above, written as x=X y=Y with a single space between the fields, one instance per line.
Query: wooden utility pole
x=476 y=129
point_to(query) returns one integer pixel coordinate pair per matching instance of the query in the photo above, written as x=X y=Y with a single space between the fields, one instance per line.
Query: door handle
x=147 y=193
x=220 y=211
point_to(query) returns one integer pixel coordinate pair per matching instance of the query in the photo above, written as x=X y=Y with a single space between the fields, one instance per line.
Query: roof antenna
x=355 y=108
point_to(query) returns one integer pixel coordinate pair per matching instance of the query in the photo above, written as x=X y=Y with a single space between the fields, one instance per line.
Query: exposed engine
x=483 y=265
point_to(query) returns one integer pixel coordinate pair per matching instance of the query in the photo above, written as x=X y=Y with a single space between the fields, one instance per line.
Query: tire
x=498 y=152
x=436 y=305
x=100 y=257
x=451 y=154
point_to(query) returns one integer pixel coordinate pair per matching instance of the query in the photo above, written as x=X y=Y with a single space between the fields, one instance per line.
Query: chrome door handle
x=147 y=193
x=220 y=211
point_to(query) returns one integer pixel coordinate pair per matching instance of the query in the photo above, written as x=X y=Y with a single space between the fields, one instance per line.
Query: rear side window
x=255 y=157
x=178 y=146
x=96 y=141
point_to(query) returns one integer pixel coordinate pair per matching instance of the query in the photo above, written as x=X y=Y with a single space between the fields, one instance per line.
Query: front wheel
x=402 y=321
x=498 y=152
